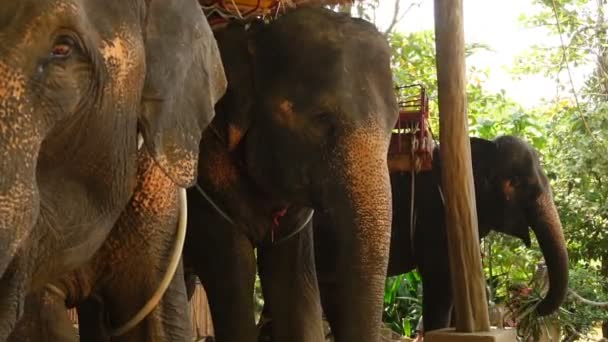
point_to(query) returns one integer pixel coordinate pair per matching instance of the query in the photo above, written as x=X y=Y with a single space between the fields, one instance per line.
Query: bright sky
x=495 y=23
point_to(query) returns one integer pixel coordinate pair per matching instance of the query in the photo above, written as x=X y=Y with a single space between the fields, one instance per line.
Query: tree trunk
x=468 y=283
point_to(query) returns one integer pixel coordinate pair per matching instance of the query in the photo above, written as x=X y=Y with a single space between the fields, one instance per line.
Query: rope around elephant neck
x=232 y=222
x=214 y=205
x=169 y=274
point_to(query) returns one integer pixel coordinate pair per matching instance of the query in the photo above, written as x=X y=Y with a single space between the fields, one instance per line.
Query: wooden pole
x=468 y=284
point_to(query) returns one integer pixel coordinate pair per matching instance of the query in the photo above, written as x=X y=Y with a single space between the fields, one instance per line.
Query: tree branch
x=397 y=17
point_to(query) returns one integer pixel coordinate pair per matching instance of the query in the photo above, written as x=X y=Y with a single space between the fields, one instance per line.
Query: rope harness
x=275 y=218
x=411 y=146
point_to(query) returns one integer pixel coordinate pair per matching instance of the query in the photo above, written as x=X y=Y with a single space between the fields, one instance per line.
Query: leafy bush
x=588 y=283
x=403 y=302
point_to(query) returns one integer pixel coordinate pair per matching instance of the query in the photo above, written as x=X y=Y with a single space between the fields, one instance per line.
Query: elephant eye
x=322 y=115
x=63 y=47
x=326 y=120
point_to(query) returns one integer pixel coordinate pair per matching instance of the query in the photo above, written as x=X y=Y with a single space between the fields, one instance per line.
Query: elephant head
x=79 y=78
x=310 y=108
x=513 y=196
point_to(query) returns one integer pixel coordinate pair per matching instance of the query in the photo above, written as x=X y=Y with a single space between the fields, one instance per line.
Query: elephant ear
x=237 y=106
x=184 y=80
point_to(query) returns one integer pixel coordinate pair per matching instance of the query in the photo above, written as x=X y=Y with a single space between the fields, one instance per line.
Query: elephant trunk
x=362 y=216
x=18 y=213
x=548 y=230
x=20 y=139
x=19 y=200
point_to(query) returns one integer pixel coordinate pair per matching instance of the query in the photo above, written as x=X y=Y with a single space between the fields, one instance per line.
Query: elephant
x=122 y=276
x=513 y=195
x=304 y=125
x=81 y=79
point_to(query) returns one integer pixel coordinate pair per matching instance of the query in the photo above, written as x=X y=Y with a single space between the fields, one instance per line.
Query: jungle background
x=569 y=128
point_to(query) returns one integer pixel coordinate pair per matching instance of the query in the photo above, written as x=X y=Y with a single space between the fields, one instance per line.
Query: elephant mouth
x=284 y=220
x=288 y=222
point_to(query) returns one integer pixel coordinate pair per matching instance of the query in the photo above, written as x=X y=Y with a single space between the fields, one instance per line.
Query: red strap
x=277 y=215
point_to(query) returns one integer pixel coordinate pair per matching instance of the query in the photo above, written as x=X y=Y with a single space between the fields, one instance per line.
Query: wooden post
x=468 y=284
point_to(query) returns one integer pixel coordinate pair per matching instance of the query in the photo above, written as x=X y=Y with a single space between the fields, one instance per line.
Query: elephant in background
x=513 y=195
x=305 y=123
x=80 y=78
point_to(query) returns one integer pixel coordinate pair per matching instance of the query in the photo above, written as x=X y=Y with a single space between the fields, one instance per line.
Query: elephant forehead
x=123 y=57
x=45 y=18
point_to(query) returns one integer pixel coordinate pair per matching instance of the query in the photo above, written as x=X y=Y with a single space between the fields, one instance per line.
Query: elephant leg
x=190 y=278
x=174 y=310
x=91 y=320
x=226 y=268
x=290 y=287
x=170 y=318
x=45 y=319
x=265 y=329
x=325 y=240
x=437 y=302
x=437 y=293
x=329 y=299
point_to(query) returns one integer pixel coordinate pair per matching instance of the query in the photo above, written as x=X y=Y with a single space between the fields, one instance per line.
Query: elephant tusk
x=297 y=230
x=168 y=277
x=140 y=141
x=56 y=290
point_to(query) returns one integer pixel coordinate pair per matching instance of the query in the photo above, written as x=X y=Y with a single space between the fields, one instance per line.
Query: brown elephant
x=80 y=78
x=305 y=122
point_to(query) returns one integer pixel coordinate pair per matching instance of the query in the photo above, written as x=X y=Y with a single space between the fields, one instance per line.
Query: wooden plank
x=200 y=313
x=468 y=283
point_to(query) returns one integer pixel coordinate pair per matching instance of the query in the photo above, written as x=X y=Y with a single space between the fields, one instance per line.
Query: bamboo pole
x=468 y=284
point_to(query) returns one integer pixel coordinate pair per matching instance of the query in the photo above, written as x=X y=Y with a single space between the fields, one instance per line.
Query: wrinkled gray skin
x=78 y=78
x=121 y=277
x=306 y=122
x=513 y=197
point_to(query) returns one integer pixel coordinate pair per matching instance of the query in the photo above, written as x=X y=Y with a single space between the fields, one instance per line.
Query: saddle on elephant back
x=220 y=12
x=411 y=146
